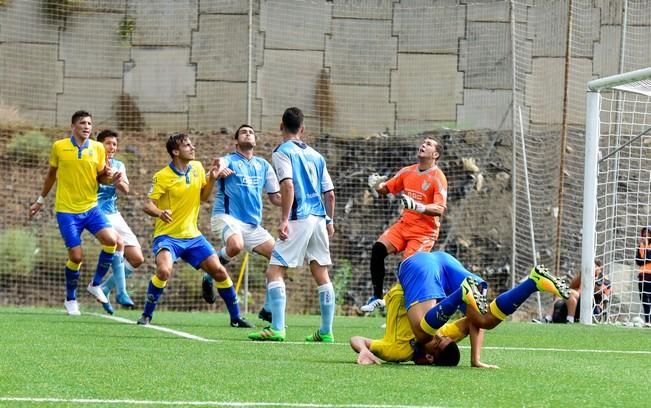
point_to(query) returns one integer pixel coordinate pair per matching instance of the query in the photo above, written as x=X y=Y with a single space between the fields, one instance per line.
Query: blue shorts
x=72 y=225
x=432 y=275
x=191 y=250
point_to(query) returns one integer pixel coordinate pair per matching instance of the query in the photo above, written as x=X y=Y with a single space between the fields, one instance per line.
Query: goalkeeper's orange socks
x=154 y=292
x=509 y=301
x=72 y=279
x=227 y=292
x=277 y=301
x=437 y=316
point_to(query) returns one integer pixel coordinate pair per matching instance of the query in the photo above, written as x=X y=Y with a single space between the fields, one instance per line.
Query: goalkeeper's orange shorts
x=409 y=238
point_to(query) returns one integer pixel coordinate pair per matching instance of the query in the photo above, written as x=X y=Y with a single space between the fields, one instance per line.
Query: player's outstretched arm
x=377 y=183
x=362 y=346
x=49 y=181
x=476 y=343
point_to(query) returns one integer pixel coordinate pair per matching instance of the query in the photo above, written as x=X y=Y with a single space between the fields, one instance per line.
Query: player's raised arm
x=50 y=179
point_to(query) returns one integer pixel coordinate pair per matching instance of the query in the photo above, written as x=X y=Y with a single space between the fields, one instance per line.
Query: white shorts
x=225 y=225
x=308 y=240
x=120 y=225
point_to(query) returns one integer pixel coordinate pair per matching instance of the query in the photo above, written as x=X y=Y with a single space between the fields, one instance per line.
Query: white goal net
x=617 y=198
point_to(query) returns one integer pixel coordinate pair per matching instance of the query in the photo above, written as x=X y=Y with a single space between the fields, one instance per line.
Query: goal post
x=617 y=188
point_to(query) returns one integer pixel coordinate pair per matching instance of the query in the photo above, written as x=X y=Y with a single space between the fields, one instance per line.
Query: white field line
x=499 y=348
x=202 y=403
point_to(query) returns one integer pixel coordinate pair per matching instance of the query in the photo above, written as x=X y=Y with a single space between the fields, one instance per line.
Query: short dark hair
x=449 y=356
x=106 y=133
x=439 y=148
x=174 y=142
x=237 y=132
x=80 y=114
x=598 y=262
x=292 y=119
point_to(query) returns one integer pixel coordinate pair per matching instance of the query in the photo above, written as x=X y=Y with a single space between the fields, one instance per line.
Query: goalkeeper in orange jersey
x=424 y=194
x=436 y=285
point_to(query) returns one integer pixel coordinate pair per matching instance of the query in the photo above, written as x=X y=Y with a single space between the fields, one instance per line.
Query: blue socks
x=230 y=298
x=154 y=292
x=437 y=316
x=327 y=303
x=103 y=265
x=277 y=301
x=72 y=281
x=509 y=301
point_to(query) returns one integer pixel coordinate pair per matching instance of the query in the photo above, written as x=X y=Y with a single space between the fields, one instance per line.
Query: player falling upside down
x=424 y=194
x=237 y=211
x=174 y=200
x=128 y=255
x=436 y=285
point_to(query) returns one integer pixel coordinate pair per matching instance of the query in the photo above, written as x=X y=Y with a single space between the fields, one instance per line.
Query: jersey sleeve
x=440 y=194
x=395 y=184
x=54 y=157
x=157 y=189
x=282 y=165
x=453 y=331
x=326 y=181
x=270 y=181
x=101 y=156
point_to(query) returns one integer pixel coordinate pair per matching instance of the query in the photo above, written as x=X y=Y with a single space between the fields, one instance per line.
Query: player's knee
x=379 y=251
x=75 y=258
x=234 y=248
x=163 y=272
x=136 y=260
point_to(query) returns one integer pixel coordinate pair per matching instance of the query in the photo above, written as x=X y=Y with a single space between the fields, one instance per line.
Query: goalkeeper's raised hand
x=411 y=204
x=375 y=179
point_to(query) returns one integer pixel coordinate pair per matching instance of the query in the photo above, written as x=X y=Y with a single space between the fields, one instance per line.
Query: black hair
x=106 y=133
x=237 y=132
x=80 y=114
x=174 y=142
x=292 y=120
x=449 y=356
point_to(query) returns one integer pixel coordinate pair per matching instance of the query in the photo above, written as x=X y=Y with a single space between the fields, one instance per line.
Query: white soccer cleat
x=72 y=307
x=372 y=304
x=97 y=293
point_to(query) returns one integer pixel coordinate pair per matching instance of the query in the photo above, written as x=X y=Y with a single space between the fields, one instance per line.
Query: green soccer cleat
x=546 y=282
x=472 y=295
x=268 y=334
x=318 y=337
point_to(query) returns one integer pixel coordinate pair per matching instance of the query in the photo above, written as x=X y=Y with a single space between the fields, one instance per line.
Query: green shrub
x=60 y=9
x=126 y=28
x=31 y=148
x=17 y=252
x=343 y=275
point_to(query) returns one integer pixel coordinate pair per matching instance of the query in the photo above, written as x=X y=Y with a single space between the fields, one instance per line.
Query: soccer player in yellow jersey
x=77 y=164
x=174 y=200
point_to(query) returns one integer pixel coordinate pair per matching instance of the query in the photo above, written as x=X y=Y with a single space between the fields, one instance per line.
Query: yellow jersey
x=396 y=344
x=181 y=193
x=77 y=170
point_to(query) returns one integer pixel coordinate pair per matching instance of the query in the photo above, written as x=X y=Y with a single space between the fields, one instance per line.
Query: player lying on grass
x=435 y=285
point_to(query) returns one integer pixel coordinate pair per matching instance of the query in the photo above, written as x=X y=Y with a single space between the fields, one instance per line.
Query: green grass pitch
x=50 y=359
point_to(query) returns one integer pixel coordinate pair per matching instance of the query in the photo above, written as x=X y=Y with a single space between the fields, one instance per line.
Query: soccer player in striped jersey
x=237 y=210
x=307 y=208
x=174 y=200
x=128 y=255
x=434 y=286
x=77 y=165
x=423 y=188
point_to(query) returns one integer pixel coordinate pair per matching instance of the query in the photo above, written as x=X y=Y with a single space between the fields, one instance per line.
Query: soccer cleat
x=265 y=315
x=472 y=296
x=144 y=320
x=124 y=300
x=97 y=293
x=268 y=334
x=208 y=291
x=108 y=308
x=546 y=282
x=241 y=323
x=317 y=337
x=372 y=304
x=72 y=307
